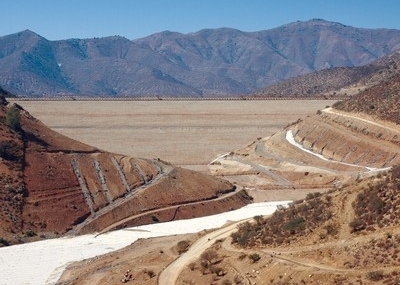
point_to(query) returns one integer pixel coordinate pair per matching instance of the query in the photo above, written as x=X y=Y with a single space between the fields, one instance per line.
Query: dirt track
x=170 y=274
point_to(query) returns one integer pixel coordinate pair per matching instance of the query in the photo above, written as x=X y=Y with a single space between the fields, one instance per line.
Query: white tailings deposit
x=43 y=262
x=291 y=140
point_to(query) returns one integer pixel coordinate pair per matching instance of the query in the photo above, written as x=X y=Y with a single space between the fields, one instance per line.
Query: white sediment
x=43 y=262
x=291 y=140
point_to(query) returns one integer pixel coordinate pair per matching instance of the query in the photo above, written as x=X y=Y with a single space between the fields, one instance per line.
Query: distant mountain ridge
x=211 y=62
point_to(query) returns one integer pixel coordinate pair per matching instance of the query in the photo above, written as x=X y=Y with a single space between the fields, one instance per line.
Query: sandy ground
x=180 y=132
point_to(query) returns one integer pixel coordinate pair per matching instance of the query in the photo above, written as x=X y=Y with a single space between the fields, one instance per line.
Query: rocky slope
x=216 y=62
x=381 y=101
x=51 y=185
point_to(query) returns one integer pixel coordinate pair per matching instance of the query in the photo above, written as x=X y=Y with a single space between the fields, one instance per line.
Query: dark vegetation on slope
x=287 y=224
x=381 y=101
x=376 y=207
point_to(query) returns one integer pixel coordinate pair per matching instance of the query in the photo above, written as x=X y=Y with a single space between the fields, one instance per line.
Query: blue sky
x=64 y=19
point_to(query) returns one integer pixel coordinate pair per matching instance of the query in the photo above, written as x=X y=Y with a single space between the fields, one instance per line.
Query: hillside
x=339 y=82
x=342 y=229
x=346 y=236
x=381 y=101
x=219 y=62
x=51 y=185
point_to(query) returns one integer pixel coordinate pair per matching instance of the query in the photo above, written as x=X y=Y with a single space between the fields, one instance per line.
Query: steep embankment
x=324 y=150
x=381 y=101
x=354 y=140
x=50 y=184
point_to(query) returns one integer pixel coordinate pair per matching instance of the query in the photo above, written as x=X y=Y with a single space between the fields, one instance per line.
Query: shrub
x=238 y=279
x=313 y=195
x=8 y=151
x=210 y=256
x=375 y=275
x=294 y=224
x=192 y=266
x=219 y=271
x=242 y=256
x=331 y=229
x=149 y=273
x=183 y=246
x=396 y=172
x=286 y=223
x=254 y=257
x=245 y=234
x=13 y=119
x=357 y=225
x=4 y=242
x=30 y=233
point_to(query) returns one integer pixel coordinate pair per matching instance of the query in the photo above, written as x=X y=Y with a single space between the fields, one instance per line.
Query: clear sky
x=65 y=19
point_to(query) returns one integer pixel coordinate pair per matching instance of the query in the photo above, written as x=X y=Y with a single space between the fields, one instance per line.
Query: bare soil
x=180 y=132
x=52 y=185
x=274 y=166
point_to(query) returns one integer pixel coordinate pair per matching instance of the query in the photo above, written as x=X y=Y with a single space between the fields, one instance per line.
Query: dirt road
x=374 y=121
x=170 y=274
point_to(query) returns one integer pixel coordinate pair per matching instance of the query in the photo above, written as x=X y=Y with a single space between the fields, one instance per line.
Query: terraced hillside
x=322 y=151
x=51 y=185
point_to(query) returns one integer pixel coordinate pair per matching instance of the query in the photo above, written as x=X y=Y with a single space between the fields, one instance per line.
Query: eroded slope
x=51 y=185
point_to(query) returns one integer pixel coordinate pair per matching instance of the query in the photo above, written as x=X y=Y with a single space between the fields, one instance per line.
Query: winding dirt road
x=170 y=274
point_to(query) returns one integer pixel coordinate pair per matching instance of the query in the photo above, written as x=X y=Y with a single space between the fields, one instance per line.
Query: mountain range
x=210 y=62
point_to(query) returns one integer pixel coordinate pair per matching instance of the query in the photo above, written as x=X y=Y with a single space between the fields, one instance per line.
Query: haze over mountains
x=218 y=62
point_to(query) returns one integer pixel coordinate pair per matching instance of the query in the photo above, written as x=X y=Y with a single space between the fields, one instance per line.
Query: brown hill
x=51 y=185
x=339 y=82
x=381 y=101
x=348 y=236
